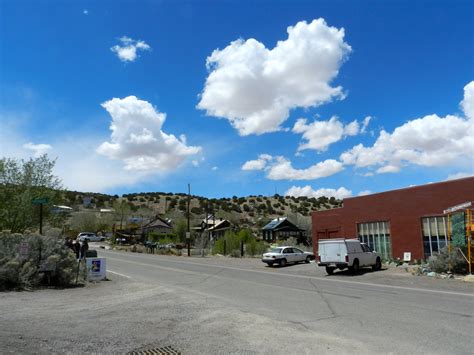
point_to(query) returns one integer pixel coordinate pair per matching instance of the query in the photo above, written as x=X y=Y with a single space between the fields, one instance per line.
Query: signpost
x=40 y=202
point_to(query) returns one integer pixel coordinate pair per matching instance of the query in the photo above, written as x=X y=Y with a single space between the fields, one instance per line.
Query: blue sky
x=240 y=97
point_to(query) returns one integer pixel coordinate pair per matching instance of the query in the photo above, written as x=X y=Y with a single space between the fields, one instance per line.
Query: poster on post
x=96 y=270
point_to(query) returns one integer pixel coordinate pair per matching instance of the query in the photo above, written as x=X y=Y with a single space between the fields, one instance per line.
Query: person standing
x=76 y=247
x=84 y=249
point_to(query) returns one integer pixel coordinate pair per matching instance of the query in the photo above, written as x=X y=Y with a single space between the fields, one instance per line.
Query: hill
x=251 y=211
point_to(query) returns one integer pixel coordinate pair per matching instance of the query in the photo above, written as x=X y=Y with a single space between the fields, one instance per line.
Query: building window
x=434 y=230
x=377 y=236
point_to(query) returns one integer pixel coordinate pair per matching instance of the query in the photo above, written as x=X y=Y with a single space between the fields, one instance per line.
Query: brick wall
x=403 y=208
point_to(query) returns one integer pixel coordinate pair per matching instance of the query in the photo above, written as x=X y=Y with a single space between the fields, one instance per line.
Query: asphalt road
x=360 y=313
x=240 y=306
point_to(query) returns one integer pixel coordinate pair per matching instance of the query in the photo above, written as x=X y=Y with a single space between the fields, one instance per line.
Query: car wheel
x=355 y=267
x=270 y=264
x=329 y=270
x=308 y=259
x=282 y=262
x=377 y=266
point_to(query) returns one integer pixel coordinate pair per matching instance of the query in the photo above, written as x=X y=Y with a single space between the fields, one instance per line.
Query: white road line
x=118 y=273
x=306 y=277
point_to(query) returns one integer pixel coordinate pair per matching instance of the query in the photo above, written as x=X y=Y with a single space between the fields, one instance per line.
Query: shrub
x=25 y=271
x=441 y=261
x=254 y=247
x=232 y=242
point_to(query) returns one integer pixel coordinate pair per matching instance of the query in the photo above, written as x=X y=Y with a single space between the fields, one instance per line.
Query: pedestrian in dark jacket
x=84 y=249
x=76 y=247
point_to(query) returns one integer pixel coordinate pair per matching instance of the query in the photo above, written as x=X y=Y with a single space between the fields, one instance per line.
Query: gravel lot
x=122 y=315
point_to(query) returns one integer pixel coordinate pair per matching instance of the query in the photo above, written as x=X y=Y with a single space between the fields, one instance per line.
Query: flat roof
x=415 y=187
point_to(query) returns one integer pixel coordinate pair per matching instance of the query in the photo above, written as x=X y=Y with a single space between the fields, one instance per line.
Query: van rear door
x=332 y=251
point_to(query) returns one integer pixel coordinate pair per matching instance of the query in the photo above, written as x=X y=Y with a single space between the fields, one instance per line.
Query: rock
x=468 y=278
x=451 y=277
x=431 y=274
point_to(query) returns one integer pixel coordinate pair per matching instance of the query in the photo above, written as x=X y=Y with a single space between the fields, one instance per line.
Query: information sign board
x=96 y=269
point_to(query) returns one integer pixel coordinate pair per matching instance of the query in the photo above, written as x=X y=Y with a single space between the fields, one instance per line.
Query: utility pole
x=188 y=234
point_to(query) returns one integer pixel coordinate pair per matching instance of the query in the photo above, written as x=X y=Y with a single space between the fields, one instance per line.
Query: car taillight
x=347 y=258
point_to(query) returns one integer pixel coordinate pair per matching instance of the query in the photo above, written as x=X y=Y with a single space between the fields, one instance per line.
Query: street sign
x=461 y=206
x=39 y=201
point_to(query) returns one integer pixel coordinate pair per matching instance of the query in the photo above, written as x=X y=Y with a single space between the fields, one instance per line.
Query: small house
x=282 y=229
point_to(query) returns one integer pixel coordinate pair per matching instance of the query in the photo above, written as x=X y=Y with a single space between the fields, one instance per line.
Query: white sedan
x=286 y=254
x=90 y=237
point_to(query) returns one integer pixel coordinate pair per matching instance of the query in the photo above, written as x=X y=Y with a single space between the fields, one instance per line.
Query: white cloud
x=365 y=124
x=258 y=164
x=428 y=141
x=127 y=52
x=283 y=170
x=308 y=191
x=467 y=103
x=137 y=138
x=38 y=149
x=320 y=134
x=77 y=164
x=280 y=168
x=255 y=88
x=459 y=175
x=364 y=193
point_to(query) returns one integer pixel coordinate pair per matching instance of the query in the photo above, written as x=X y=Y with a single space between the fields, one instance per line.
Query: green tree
x=22 y=181
x=180 y=229
x=122 y=211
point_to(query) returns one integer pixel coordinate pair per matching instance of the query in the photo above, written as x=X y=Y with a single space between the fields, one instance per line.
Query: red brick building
x=398 y=221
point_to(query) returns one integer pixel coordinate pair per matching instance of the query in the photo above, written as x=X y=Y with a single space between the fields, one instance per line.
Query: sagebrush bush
x=442 y=261
x=44 y=253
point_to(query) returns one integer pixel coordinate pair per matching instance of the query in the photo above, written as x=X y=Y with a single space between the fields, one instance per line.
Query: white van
x=346 y=253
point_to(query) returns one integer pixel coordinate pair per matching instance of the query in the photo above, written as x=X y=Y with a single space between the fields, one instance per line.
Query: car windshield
x=276 y=250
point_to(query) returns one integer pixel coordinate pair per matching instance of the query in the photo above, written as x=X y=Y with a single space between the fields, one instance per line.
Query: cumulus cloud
x=431 y=141
x=258 y=164
x=255 y=87
x=37 y=149
x=127 y=51
x=308 y=191
x=320 y=134
x=137 y=138
x=280 y=168
x=467 y=104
